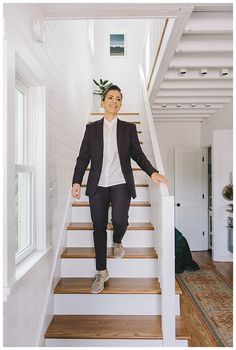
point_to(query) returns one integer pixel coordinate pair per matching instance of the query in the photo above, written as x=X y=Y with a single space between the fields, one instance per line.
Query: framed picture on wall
x=117 y=45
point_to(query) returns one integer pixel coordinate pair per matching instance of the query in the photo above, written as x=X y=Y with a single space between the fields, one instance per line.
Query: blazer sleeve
x=137 y=153
x=83 y=158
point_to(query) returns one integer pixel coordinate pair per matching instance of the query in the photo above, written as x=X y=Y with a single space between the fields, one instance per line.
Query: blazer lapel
x=119 y=130
x=100 y=133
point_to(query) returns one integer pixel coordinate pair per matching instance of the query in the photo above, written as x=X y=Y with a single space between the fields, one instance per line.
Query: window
x=25 y=234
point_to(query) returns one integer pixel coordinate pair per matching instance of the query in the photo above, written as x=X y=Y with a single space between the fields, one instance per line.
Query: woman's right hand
x=75 y=191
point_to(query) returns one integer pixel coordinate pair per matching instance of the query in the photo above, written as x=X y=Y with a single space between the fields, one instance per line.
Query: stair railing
x=162 y=218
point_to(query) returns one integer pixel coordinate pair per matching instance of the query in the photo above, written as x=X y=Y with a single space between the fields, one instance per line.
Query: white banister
x=162 y=217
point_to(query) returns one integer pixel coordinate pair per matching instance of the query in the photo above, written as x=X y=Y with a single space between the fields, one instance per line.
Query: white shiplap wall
x=172 y=135
x=63 y=64
x=122 y=71
x=154 y=33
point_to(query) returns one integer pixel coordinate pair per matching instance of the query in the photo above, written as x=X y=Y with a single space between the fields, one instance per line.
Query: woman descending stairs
x=128 y=311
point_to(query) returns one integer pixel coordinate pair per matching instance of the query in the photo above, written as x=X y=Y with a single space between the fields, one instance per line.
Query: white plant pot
x=97 y=104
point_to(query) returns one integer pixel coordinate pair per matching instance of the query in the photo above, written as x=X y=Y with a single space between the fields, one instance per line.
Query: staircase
x=128 y=311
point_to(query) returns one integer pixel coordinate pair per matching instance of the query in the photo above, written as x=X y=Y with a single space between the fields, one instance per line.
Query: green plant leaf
x=96 y=83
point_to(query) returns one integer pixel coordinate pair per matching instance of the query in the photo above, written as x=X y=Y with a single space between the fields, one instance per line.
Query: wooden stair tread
x=111 y=327
x=133 y=253
x=89 y=226
x=178 y=289
x=113 y=286
x=132 y=204
x=82 y=285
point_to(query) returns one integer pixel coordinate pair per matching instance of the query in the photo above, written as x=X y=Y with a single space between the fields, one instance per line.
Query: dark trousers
x=119 y=197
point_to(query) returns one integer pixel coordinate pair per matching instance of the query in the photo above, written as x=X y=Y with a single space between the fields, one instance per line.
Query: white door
x=188 y=197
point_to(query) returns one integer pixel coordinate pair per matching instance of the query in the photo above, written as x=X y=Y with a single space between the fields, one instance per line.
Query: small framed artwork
x=117 y=45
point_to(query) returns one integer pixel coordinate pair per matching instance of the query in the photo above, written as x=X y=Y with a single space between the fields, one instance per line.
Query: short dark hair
x=111 y=87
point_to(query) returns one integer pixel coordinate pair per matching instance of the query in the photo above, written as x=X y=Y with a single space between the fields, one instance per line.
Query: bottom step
x=84 y=330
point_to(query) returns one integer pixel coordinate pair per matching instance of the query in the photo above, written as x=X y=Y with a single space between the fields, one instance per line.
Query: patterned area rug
x=212 y=296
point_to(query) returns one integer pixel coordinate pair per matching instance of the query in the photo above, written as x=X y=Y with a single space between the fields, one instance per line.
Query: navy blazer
x=92 y=149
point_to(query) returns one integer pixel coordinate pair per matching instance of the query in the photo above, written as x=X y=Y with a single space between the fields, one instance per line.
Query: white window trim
x=13 y=62
x=30 y=160
x=37 y=107
x=32 y=248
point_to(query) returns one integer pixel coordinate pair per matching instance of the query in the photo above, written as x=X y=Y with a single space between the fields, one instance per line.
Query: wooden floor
x=199 y=335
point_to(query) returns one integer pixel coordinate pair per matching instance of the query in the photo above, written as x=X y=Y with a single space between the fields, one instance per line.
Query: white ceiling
x=122 y=10
x=203 y=40
x=206 y=44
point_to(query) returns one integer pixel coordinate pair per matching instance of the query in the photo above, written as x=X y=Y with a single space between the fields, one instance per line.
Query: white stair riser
x=117 y=267
x=140 y=177
x=109 y=343
x=109 y=304
x=127 y=118
x=132 y=238
x=142 y=195
x=136 y=214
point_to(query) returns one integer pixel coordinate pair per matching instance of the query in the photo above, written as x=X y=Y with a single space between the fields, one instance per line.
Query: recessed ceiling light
x=224 y=71
x=163 y=105
x=178 y=105
x=182 y=71
x=203 y=71
x=193 y=105
x=208 y=105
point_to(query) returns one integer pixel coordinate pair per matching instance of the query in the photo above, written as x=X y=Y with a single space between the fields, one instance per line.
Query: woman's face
x=112 y=102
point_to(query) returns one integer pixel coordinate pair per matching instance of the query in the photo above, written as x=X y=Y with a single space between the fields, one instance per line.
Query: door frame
x=205 y=192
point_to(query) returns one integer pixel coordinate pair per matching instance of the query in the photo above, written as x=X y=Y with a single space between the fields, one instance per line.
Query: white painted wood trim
x=174 y=31
x=104 y=11
x=8 y=169
x=152 y=130
x=162 y=217
x=60 y=247
x=110 y=343
x=168 y=270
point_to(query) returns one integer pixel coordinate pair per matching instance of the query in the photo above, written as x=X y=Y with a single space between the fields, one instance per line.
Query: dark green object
x=183 y=257
x=103 y=86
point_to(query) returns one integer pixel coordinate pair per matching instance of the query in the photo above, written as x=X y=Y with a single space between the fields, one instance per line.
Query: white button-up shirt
x=111 y=173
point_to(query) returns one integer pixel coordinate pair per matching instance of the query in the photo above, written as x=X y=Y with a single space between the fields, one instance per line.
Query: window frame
x=29 y=166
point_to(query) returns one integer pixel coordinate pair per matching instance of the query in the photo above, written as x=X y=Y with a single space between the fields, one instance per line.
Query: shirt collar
x=110 y=123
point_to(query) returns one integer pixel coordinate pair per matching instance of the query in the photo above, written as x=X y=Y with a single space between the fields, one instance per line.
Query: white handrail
x=162 y=217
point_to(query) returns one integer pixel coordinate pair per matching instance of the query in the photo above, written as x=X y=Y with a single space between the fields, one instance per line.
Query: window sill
x=29 y=263
x=24 y=268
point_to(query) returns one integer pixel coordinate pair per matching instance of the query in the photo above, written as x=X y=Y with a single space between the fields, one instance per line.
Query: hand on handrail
x=158 y=178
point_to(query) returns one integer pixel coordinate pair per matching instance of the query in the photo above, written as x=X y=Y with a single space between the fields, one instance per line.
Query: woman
x=110 y=144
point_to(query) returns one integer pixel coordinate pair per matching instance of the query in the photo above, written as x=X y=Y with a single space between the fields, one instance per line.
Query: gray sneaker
x=119 y=251
x=100 y=278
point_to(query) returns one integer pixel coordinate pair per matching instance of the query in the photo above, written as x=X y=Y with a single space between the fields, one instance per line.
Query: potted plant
x=103 y=86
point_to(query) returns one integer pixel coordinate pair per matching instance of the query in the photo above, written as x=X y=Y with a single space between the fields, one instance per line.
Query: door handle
x=178 y=204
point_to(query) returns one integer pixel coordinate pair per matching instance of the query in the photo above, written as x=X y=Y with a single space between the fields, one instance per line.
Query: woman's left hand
x=159 y=178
